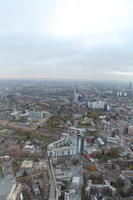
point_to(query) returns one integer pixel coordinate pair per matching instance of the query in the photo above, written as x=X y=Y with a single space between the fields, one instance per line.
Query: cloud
x=66 y=39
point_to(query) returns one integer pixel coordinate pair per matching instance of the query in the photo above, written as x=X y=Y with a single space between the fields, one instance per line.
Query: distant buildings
x=99 y=105
x=91 y=104
x=30 y=115
x=122 y=94
x=37 y=115
x=77 y=97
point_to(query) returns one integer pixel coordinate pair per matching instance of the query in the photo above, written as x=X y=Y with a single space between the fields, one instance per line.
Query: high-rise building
x=130 y=89
x=77 y=96
x=130 y=85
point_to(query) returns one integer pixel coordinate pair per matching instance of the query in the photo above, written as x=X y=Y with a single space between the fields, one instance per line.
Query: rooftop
x=16 y=189
x=27 y=164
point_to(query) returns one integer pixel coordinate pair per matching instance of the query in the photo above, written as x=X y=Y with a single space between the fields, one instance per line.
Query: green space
x=3 y=130
x=16 y=165
x=31 y=136
x=4 y=109
x=94 y=114
x=120 y=186
x=85 y=124
x=83 y=194
x=55 y=121
x=110 y=154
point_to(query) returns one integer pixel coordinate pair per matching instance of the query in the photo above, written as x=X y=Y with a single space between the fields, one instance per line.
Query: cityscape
x=66 y=140
x=66 y=99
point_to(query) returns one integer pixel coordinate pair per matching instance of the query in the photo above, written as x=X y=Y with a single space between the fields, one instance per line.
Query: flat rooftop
x=27 y=164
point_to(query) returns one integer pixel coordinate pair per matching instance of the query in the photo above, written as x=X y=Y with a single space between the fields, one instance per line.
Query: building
x=113 y=141
x=90 y=152
x=16 y=193
x=63 y=147
x=96 y=105
x=27 y=166
x=69 y=144
x=71 y=195
x=36 y=116
x=100 y=142
x=100 y=191
x=77 y=97
x=29 y=148
x=127 y=174
x=75 y=181
x=63 y=175
x=130 y=130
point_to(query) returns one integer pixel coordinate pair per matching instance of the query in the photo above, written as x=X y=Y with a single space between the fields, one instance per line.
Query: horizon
x=66 y=79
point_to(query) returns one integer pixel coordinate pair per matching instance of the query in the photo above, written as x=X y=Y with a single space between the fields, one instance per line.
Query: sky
x=66 y=39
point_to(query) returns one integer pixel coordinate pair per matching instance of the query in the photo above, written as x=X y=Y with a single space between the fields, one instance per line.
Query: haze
x=67 y=39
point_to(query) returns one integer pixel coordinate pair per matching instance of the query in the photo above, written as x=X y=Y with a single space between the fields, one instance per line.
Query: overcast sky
x=80 y=39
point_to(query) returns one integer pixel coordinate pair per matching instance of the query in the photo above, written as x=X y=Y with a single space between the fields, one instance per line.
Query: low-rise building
x=96 y=191
x=16 y=193
x=130 y=130
x=29 y=148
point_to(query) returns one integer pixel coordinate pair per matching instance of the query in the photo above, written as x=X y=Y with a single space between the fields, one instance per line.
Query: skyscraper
x=77 y=96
